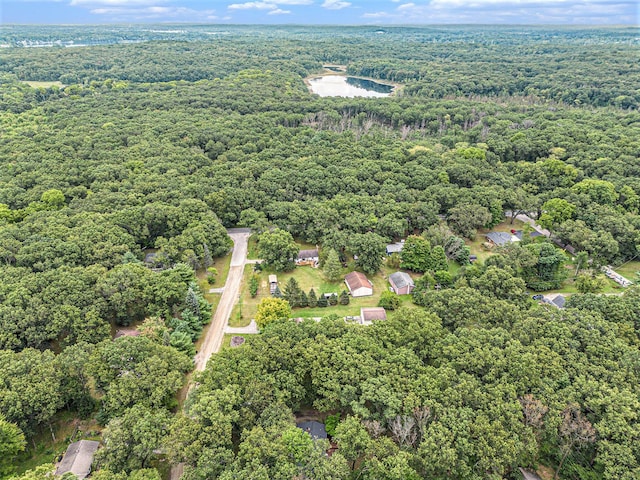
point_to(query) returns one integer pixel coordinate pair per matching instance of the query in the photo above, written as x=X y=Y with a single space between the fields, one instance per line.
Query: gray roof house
x=78 y=458
x=315 y=429
x=401 y=283
x=501 y=238
x=395 y=247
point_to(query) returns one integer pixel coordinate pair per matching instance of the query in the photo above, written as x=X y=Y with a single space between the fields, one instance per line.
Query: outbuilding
x=78 y=458
x=401 y=283
x=358 y=284
x=371 y=314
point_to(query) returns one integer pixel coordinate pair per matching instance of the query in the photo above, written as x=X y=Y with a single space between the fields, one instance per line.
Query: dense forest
x=147 y=141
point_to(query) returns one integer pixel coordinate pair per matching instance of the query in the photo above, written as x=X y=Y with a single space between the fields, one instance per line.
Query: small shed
x=395 y=247
x=368 y=315
x=273 y=283
x=358 y=284
x=501 y=238
x=308 y=257
x=78 y=458
x=315 y=429
x=401 y=283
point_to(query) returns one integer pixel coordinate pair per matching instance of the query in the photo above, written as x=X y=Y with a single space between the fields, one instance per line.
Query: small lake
x=341 y=86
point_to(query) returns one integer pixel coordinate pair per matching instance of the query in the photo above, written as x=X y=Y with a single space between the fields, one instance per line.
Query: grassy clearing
x=308 y=278
x=34 y=84
x=477 y=246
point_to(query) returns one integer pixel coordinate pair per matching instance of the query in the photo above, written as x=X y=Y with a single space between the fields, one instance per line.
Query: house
x=315 y=429
x=358 y=284
x=501 y=238
x=273 y=283
x=78 y=458
x=395 y=247
x=534 y=234
x=368 y=315
x=557 y=300
x=401 y=283
x=308 y=257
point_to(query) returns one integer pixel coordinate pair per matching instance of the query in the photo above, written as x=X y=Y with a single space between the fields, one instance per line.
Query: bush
x=389 y=300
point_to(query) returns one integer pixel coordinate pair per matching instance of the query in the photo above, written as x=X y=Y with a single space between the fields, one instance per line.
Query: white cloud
x=406 y=6
x=153 y=12
x=293 y=2
x=378 y=15
x=278 y=11
x=252 y=5
x=335 y=4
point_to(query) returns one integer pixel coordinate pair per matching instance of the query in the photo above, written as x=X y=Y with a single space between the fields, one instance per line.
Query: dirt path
x=215 y=333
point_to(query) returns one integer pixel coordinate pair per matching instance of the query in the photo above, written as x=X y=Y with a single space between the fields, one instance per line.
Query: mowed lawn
x=629 y=270
x=477 y=246
x=307 y=278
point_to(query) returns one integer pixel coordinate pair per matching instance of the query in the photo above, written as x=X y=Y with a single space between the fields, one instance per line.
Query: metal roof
x=78 y=458
x=313 y=428
x=400 y=280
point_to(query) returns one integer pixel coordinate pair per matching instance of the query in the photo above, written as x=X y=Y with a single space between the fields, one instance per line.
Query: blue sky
x=345 y=12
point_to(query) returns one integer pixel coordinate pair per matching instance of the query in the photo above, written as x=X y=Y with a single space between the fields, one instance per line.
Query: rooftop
x=395 y=247
x=78 y=458
x=372 y=313
x=502 y=238
x=313 y=428
x=357 y=280
x=400 y=279
x=307 y=254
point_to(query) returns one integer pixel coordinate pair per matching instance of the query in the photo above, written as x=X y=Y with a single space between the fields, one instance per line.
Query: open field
x=309 y=277
x=35 y=84
x=629 y=270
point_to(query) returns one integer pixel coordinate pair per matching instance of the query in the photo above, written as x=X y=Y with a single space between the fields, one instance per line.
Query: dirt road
x=215 y=333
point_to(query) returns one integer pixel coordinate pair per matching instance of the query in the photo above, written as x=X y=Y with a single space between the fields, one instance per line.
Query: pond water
x=340 y=86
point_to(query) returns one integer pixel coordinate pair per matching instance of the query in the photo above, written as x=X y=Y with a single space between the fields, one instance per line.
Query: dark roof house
x=395 y=247
x=557 y=301
x=315 y=429
x=401 y=283
x=501 y=238
x=308 y=257
x=78 y=458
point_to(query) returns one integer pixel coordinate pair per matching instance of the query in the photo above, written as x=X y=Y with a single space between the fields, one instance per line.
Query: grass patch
x=252 y=247
x=34 y=84
x=477 y=245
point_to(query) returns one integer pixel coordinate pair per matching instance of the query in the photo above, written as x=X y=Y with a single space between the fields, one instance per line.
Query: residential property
x=315 y=429
x=534 y=234
x=78 y=458
x=368 y=315
x=401 y=283
x=556 y=300
x=501 y=238
x=273 y=283
x=358 y=284
x=395 y=247
x=308 y=257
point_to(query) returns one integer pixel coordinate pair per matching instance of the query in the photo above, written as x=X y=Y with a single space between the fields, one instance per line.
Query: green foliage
x=344 y=298
x=292 y=292
x=272 y=309
x=555 y=212
x=369 y=248
x=586 y=283
x=12 y=442
x=278 y=250
x=545 y=271
x=333 y=300
x=332 y=266
x=416 y=254
x=331 y=423
x=254 y=282
x=438 y=259
x=312 y=299
x=322 y=301
x=389 y=300
x=443 y=278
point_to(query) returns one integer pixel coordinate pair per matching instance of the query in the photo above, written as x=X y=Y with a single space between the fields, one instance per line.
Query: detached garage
x=358 y=284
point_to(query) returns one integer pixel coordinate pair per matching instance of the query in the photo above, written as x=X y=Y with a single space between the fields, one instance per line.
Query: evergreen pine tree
x=277 y=293
x=322 y=301
x=332 y=266
x=333 y=300
x=344 y=298
x=191 y=301
x=438 y=259
x=207 y=261
x=312 y=299
x=292 y=292
x=303 y=300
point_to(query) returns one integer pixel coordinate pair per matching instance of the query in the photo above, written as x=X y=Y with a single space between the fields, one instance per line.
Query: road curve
x=215 y=333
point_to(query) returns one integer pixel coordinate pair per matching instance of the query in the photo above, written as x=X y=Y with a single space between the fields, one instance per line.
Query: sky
x=340 y=12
